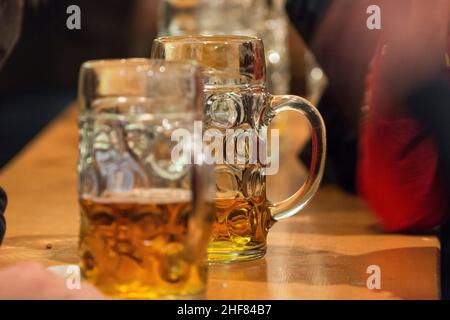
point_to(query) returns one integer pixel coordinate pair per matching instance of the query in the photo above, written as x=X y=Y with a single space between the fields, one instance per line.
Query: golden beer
x=133 y=247
x=240 y=225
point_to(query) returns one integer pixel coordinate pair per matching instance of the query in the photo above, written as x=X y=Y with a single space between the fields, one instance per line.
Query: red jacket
x=398 y=165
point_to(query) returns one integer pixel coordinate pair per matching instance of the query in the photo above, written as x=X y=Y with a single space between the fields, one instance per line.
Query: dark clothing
x=430 y=104
x=306 y=16
x=2 y=211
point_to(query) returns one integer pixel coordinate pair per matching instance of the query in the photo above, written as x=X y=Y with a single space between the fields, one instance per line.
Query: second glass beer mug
x=145 y=217
x=236 y=100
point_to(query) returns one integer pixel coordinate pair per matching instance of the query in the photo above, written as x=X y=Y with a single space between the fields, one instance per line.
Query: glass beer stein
x=236 y=98
x=145 y=218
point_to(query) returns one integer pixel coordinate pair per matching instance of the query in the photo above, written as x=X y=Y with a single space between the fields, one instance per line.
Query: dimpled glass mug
x=145 y=219
x=236 y=98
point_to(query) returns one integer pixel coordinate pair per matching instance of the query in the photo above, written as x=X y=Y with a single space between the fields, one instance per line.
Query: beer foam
x=143 y=196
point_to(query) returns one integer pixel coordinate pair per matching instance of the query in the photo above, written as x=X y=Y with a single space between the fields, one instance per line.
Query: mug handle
x=295 y=203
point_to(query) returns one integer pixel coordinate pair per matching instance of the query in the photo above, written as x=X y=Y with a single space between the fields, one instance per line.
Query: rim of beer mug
x=222 y=39
x=182 y=79
x=228 y=59
x=138 y=63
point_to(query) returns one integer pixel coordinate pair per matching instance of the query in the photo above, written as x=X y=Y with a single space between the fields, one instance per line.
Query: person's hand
x=31 y=281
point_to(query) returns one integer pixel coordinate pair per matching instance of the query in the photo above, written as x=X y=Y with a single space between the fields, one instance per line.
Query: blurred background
x=39 y=80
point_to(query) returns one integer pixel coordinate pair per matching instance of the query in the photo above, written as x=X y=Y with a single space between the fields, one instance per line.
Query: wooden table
x=323 y=253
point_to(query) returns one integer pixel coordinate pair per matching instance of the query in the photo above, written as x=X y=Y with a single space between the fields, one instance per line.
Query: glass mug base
x=222 y=253
x=241 y=227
